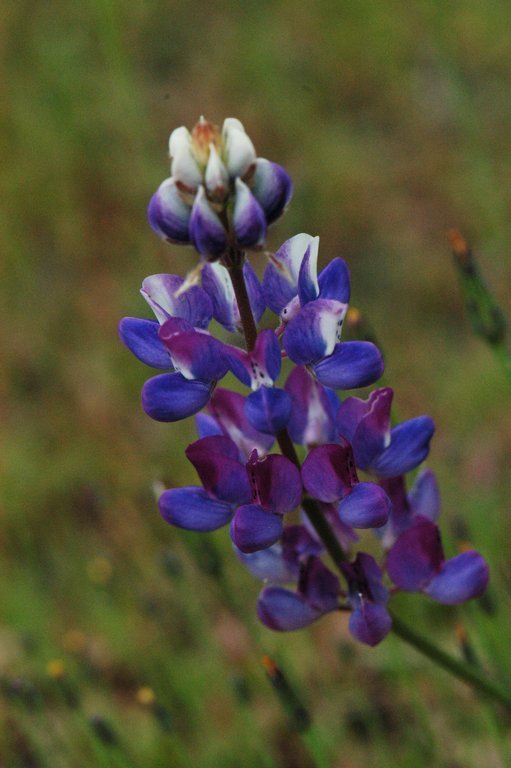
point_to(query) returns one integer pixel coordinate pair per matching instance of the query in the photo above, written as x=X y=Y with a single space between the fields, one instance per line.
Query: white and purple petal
x=217 y=283
x=352 y=364
x=308 y=288
x=252 y=528
x=280 y=281
x=312 y=419
x=372 y=433
x=168 y=214
x=409 y=446
x=239 y=152
x=268 y=409
x=272 y=187
x=193 y=509
x=259 y=368
x=228 y=409
x=461 y=578
x=207 y=232
x=196 y=355
x=313 y=334
x=141 y=338
x=171 y=397
x=164 y=295
x=249 y=221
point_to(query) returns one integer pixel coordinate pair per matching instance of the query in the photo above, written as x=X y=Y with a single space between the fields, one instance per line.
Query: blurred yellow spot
x=99 y=570
x=55 y=668
x=269 y=665
x=353 y=316
x=464 y=546
x=145 y=696
x=74 y=641
x=461 y=634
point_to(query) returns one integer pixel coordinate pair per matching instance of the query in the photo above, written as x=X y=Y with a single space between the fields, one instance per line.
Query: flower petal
x=280 y=281
x=312 y=419
x=228 y=408
x=275 y=481
x=308 y=288
x=352 y=364
x=217 y=284
x=164 y=296
x=248 y=218
x=409 y=446
x=259 y=368
x=267 y=564
x=334 y=281
x=193 y=509
x=207 y=232
x=222 y=474
x=416 y=557
x=283 y=610
x=367 y=506
x=141 y=338
x=272 y=187
x=268 y=409
x=239 y=150
x=253 y=529
x=195 y=355
x=371 y=435
x=425 y=495
x=328 y=472
x=171 y=397
x=168 y=214
x=369 y=623
x=313 y=333
x=461 y=578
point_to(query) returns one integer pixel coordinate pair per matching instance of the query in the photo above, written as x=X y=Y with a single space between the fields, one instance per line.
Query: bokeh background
x=124 y=642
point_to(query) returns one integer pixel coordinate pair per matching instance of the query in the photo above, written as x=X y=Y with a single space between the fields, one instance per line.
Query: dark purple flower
x=416 y=563
x=370 y=621
x=386 y=452
x=207 y=233
x=329 y=475
x=423 y=499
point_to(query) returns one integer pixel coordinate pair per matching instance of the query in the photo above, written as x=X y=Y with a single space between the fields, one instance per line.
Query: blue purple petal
x=248 y=219
x=193 y=509
x=141 y=338
x=283 y=610
x=312 y=419
x=268 y=409
x=272 y=187
x=207 y=232
x=216 y=460
x=352 y=364
x=334 y=281
x=416 y=557
x=369 y=623
x=171 y=397
x=409 y=446
x=367 y=506
x=164 y=295
x=280 y=281
x=252 y=528
x=461 y=578
x=168 y=214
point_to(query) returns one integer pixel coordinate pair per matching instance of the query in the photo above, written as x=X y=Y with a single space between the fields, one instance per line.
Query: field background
x=124 y=642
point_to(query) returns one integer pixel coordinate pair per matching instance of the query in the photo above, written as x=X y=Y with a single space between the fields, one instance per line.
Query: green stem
x=453 y=665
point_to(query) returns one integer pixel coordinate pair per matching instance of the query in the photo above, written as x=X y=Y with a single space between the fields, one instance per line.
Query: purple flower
x=423 y=499
x=370 y=621
x=329 y=475
x=317 y=594
x=228 y=411
x=313 y=408
x=416 y=563
x=217 y=283
x=384 y=451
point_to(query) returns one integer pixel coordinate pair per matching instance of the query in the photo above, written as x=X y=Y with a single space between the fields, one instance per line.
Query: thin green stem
x=455 y=666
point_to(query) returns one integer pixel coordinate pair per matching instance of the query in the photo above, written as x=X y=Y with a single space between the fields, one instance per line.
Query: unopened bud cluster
x=219 y=195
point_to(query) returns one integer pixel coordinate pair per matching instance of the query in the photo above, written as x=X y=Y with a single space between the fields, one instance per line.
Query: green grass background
x=394 y=120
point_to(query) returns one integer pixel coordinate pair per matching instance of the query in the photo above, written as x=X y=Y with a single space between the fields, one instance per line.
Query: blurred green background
x=124 y=642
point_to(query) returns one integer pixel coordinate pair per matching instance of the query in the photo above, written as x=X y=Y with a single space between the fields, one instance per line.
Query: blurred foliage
x=126 y=643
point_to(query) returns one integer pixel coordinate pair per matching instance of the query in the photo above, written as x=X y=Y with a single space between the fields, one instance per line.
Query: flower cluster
x=220 y=198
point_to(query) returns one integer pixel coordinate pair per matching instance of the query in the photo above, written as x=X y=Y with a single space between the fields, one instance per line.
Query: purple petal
x=461 y=578
x=207 y=232
x=319 y=586
x=352 y=364
x=228 y=408
x=217 y=283
x=372 y=435
x=280 y=281
x=248 y=219
x=222 y=474
x=255 y=292
x=367 y=506
x=409 y=446
x=171 y=397
x=193 y=305
x=370 y=623
x=253 y=529
x=425 y=495
x=272 y=187
x=268 y=409
x=401 y=515
x=193 y=509
x=298 y=544
x=141 y=338
x=168 y=214
x=416 y=557
x=267 y=564
x=261 y=366
x=275 y=481
x=195 y=355
x=283 y=610
x=312 y=413
x=207 y=426
x=308 y=288
x=328 y=472
x=334 y=281
x=313 y=333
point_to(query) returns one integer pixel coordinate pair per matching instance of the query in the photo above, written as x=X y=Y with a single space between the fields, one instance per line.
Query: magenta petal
x=367 y=506
x=276 y=482
x=328 y=472
x=141 y=338
x=216 y=460
x=461 y=578
x=171 y=397
x=416 y=557
x=372 y=434
x=193 y=509
x=283 y=610
x=196 y=355
x=253 y=529
x=369 y=623
x=352 y=364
